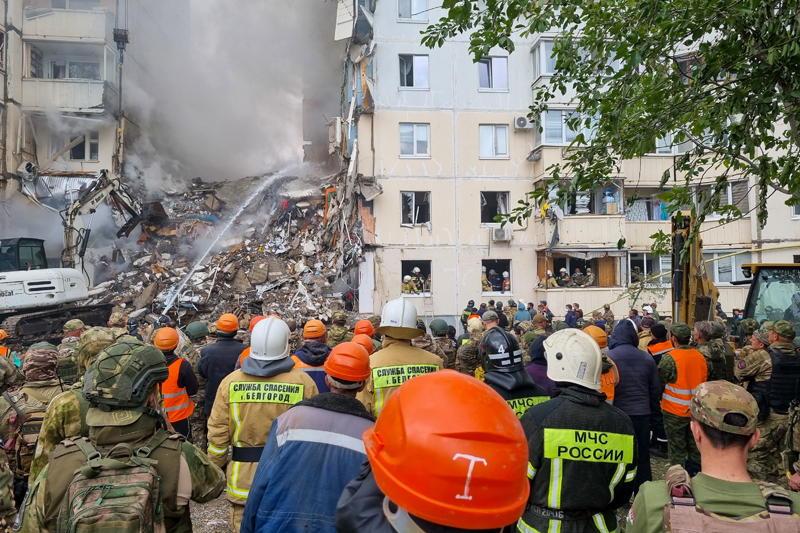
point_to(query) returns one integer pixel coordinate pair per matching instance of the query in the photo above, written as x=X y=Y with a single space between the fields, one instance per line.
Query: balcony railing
x=67 y=95
x=94 y=26
x=590 y=231
x=713 y=234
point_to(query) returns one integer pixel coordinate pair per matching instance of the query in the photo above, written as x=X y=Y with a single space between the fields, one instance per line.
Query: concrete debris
x=283 y=255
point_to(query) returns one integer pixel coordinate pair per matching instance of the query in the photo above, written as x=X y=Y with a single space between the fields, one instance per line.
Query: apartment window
x=82 y=70
x=2 y=51
x=415 y=208
x=686 y=68
x=414 y=140
x=412 y=10
x=493 y=203
x=494 y=276
x=727 y=269
x=645 y=266
x=556 y=130
x=735 y=194
x=668 y=145
x=493 y=73
x=86 y=151
x=647 y=206
x=493 y=141
x=420 y=281
x=796 y=211
x=74 y=4
x=544 y=63
x=414 y=71
x=37 y=64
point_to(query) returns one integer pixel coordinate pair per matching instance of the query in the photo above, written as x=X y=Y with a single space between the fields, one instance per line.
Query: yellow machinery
x=694 y=296
x=774 y=292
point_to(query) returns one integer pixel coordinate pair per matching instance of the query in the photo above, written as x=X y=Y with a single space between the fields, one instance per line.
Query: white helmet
x=270 y=340
x=573 y=356
x=483 y=269
x=399 y=320
x=549 y=272
x=416 y=270
x=505 y=274
x=406 y=278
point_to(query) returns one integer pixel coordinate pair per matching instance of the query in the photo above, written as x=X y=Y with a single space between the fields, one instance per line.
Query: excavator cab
x=774 y=292
x=22 y=254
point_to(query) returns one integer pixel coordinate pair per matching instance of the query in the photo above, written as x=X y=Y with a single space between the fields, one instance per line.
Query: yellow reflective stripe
x=265 y=392
x=600 y=522
x=554 y=489
x=592 y=446
x=215 y=450
x=631 y=475
x=531 y=471
x=394 y=376
x=521 y=405
x=238 y=424
x=242 y=493
x=525 y=528
x=616 y=479
x=379 y=402
x=554 y=526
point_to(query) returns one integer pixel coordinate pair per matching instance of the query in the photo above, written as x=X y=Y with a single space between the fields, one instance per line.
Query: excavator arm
x=694 y=295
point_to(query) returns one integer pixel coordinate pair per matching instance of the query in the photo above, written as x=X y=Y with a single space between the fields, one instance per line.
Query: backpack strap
x=776 y=498
x=679 y=486
x=84 y=407
x=36 y=395
x=155 y=441
x=88 y=450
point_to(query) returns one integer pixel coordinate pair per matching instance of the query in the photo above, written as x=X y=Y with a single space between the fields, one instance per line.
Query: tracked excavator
x=36 y=300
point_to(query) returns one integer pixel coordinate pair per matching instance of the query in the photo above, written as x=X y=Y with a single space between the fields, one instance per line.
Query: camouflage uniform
x=198 y=419
x=509 y=312
x=338 y=333
x=448 y=346
x=468 y=358
x=715 y=359
x=425 y=342
x=118 y=324
x=65 y=349
x=295 y=341
x=608 y=316
x=9 y=377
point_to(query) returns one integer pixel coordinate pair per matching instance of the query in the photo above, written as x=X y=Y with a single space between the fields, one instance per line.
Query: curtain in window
x=553 y=124
x=637 y=212
x=739 y=196
x=502 y=204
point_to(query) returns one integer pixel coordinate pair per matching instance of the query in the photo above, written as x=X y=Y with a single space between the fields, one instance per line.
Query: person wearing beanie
x=645 y=336
x=219 y=359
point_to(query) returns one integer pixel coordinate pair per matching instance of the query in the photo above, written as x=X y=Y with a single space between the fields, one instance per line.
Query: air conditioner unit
x=522 y=123
x=502 y=234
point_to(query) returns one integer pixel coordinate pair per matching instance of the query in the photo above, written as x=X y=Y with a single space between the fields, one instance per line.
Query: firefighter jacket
x=248 y=401
x=582 y=463
x=396 y=363
x=517 y=389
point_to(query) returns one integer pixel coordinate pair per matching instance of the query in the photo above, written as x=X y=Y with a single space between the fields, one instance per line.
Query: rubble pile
x=282 y=255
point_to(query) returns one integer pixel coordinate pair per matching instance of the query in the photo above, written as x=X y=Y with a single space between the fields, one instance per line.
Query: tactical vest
x=784 y=385
x=682 y=515
x=68 y=369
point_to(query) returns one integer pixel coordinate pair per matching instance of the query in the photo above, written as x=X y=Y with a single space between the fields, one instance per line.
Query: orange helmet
x=434 y=458
x=314 y=329
x=348 y=361
x=166 y=339
x=255 y=320
x=365 y=327
x=3 y=334
x=228 y=323
x=598 y=335
x=365 y=341
x=273 y=316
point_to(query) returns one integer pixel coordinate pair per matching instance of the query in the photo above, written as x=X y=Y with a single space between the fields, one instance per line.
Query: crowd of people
x=388 y=424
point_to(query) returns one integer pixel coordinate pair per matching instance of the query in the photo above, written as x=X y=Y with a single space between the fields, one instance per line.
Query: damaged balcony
x=83 y=26
x=68 y=95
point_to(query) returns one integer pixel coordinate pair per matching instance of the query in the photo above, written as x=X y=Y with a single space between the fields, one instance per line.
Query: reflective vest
x=245 y=353
x=692 y=371
x=660 y=348
x=317 y=373
x=608 y=382
x=5 y=351
x=176 y=402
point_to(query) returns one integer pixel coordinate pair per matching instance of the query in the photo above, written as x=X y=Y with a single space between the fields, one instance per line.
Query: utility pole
x=122 y=38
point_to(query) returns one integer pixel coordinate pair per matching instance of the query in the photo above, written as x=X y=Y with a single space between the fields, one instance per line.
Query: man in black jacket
x=219 y=359
x=582 y=454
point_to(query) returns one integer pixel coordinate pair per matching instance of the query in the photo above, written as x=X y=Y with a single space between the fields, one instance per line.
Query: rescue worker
x=715 y=356
x=365 y=327
x=409 y=287
x=9 y=377
x=121 y=386
x=486 y=285
x=439 y=330
x=582 y=451
x=361 y=340
x=417 y=279
x=465 y=314
x=295 y=340
x=506 y=283
x=657 y=348
x=468 y=358
x=118 y=324
x=198 y=336
x=433 y=466
x=253 y=321
x=549 y=281
x=5 y=351
x=720 y=339
x=510 y=311
x=179 y=386
x=562 y=277
x=398 y=361
x=723 y=497
x=680 y=372
x=294 y=471
x=66 y=414
x=609 y=377
x=132 y=326
x=339 y=332
x=608 y=316
x=660 y=344
x=425 y=342
x=774 y=396
x=248 y=401
x=72 y=335
x=219 y=359
x=504 y=372
x=588 y=279
x=311 y=356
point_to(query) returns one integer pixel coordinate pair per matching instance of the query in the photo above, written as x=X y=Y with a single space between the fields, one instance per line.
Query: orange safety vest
x=692 y=371
x=660 y=348
x=245 y=353
x=176 y=402
x=300 y=365
x=608 y=382
x=5 y=351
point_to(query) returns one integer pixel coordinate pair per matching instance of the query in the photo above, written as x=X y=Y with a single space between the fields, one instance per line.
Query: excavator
x=36 y=300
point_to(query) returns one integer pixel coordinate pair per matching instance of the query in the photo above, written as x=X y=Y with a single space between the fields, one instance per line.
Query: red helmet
x=348 y=361
x=255 y=320
x=365 y=341
x=166 y=339
x=434 y=458
x=365 y=327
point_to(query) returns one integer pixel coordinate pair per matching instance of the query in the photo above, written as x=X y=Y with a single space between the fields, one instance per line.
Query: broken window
x=415 y=208
x=493 y=281
x=58 y=69
x=412 y=10
x=420 y=282
x=86 y=151
x=493 y=204
x=493 y=73
x=414 y=140
x=414 y=71
x=493 y=140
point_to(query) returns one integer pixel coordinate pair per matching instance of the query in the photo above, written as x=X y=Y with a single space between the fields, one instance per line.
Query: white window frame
x=540 y=137
x=713 y=267
x=493 y=224
x=413 y=208
x=491 y=61
x=796 y=212
x=416 y=62
x=494 y=129
x=422 y=17
x=509 y=294
x=538 y=51
x=664 y=263
x=415 y=129
x=665 y=146
x=728 y=201
x=90 y=138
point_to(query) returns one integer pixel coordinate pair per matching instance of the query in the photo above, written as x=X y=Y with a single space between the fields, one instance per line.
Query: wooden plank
x=605 y=271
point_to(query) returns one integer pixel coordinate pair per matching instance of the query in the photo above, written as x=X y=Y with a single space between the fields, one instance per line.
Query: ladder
x=427 y=307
